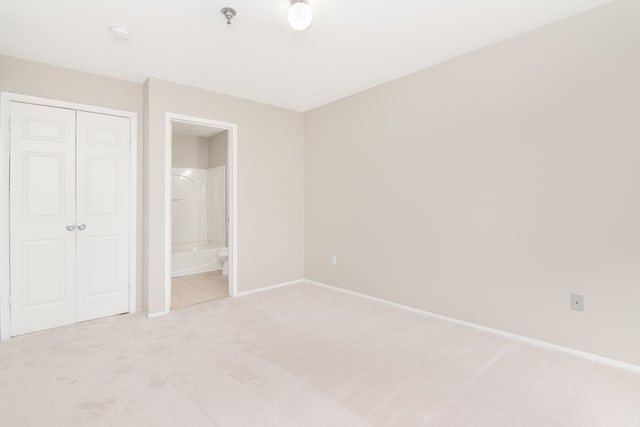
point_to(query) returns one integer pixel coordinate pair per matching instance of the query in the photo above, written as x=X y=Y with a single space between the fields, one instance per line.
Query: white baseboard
x=158 y=314
x=268 y=288
x=577 y=353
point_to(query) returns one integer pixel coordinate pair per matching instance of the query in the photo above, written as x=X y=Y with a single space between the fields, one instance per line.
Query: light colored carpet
x=301 y=356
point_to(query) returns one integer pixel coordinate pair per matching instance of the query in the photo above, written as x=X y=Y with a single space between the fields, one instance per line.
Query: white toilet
x=223 y=257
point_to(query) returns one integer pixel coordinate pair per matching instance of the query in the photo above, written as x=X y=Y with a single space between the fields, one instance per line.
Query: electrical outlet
x=334 y=260
x=577 y=302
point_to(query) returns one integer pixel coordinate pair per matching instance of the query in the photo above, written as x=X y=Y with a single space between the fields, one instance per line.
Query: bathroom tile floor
x=197 y=288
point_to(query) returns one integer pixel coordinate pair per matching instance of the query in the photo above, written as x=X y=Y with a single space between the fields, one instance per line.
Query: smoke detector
x=119 y=32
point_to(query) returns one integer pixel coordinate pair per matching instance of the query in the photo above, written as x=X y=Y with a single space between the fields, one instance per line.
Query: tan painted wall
x=486 y=188
x=218 y=149
x=270 y=184
x=188 y=151
x=47 y=81
x=491 y=186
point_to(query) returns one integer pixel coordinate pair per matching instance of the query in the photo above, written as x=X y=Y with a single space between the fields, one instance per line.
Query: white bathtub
x=195 y=257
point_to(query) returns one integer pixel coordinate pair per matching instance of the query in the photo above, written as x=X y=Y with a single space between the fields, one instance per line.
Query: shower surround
x=199 y=218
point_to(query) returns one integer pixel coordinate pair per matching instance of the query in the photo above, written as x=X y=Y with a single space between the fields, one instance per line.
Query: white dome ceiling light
x=299 y=15
x=119 y=32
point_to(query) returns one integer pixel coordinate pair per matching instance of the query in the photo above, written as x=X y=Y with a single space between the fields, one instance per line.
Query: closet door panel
x=103 y=189
x=42 y=205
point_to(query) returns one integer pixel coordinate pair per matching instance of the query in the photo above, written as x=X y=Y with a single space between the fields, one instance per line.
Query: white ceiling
x=351 y=45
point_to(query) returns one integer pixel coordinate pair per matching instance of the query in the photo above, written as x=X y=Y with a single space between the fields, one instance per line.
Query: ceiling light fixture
x=299 y=15
x=119 y=32
x=228 y=13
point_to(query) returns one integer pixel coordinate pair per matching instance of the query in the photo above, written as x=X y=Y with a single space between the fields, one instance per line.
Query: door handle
x=82 y=227
x=70 y=227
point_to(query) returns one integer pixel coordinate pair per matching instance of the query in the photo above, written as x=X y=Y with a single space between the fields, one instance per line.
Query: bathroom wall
x=189 y=151
x=217 y=204
x=48 y=81
x=270 y=184
x=199 y=199
x=490 y=187
x=218 y=209
x=218 y=149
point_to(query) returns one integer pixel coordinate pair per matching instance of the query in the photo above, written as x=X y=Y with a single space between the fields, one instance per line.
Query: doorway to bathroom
x=200 y=211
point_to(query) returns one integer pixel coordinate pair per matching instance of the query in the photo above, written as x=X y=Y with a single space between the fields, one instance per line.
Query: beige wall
x=487 y=188
x=270 y=184
x=188 y=151
x=218 y=149
x=47 y=81
x=490 y=187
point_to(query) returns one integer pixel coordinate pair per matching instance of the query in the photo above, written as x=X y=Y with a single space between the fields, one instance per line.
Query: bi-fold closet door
x=69 y=216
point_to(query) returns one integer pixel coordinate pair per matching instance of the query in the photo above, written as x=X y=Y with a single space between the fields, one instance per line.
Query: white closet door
x=103 y=190
x=42 y=204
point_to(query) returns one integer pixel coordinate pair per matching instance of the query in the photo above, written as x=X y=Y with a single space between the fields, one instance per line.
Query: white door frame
x=5 y=156
x=232 y=197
